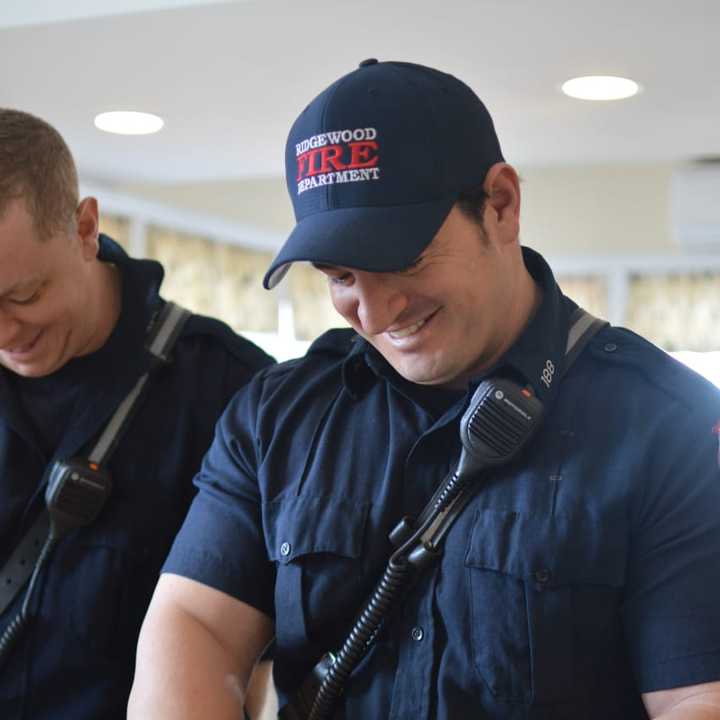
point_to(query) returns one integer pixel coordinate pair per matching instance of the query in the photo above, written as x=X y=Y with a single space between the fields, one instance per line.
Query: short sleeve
x=672 y=606
x=220 y=543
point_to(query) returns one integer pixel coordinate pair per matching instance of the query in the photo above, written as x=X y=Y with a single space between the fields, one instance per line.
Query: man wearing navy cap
x=581 y=577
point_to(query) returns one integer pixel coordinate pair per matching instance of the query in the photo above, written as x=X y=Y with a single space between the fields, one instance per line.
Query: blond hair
x=36 y=165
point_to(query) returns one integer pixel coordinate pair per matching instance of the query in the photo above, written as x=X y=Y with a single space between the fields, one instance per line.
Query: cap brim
x=375 y=239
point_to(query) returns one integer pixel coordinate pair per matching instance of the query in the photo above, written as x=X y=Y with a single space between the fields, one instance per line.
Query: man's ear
x=87 y=219
x=502 y=187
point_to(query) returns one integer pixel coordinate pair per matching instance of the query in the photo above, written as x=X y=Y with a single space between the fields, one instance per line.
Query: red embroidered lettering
x=361 y=154
x=306 y=163
x=331 y=156
x=302 y=162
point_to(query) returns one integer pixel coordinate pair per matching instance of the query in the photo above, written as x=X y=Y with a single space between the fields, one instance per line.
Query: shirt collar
x=538 y=353
x=357 y=373
x=145 y=275
x=536 y=356
x=141 y=281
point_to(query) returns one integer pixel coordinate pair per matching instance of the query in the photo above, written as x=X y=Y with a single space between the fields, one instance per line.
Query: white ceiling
x=37 y=12
x=230 y=77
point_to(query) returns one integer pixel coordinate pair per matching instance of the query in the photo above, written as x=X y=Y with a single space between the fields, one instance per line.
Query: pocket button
x=542 y=576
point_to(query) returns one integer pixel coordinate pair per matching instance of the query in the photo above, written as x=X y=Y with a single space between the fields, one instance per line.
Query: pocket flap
x=554 y=550
x=301 y=525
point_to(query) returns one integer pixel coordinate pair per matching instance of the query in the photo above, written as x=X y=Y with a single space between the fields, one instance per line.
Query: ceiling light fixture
x=600 y=87
x=129 y=123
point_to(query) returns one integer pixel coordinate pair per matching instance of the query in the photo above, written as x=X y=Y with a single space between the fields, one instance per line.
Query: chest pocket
x=539 y=589
x=316 y=543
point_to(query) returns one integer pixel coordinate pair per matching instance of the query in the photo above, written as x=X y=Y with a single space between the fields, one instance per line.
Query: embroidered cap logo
x=337 y=156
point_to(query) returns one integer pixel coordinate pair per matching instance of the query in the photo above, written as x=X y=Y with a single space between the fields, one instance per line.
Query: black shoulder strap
x=160 y=340
x=583 y=328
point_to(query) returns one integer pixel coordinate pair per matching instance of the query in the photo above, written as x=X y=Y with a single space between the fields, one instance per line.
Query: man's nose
x=380 y=301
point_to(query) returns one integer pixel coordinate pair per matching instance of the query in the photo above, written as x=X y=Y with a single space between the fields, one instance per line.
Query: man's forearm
x=693 y=709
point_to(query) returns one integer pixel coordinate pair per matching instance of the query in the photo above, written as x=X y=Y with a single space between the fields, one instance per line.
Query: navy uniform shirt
x=584 y=573
x=76 y=659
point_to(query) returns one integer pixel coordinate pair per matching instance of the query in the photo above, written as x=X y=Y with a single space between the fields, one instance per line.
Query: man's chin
x=33 y=369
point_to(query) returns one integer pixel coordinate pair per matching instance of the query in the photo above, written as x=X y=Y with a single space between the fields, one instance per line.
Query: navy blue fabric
x=44 y=400
x=76 y=660
x=581 y=575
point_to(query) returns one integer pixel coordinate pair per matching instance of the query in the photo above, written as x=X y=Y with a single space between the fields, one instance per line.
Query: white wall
x=597 y=210
x=262 y=202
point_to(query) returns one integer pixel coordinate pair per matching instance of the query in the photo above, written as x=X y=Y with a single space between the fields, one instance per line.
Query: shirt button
x=610 y=347
x=542 y=576
x=417 y=634
x=285 y=549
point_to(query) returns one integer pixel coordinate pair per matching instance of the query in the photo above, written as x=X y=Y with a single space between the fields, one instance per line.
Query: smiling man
x=580 y=580
x=75 y=312
x=57 y=302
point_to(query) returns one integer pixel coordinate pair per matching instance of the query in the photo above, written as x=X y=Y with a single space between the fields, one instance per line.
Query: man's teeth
x=409 y=330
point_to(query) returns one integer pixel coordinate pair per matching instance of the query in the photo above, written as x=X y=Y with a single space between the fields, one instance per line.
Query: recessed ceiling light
x=129 y=123
x=600 y=87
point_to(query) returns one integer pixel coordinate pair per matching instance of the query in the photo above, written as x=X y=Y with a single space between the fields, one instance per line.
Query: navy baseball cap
x=375 y=163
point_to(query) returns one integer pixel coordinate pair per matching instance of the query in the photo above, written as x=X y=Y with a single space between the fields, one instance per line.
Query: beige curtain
x=117 y=227
x=589 y=292
x=312 y=309
x=217 y=279
x=677 y=311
